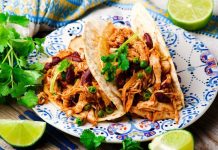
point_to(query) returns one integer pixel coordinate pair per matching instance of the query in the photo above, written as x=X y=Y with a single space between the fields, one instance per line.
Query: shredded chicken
x=141 y=49
x=141 y=113
x=91 y=117
x=155 y=63
x=81 y=103
x=72 y=97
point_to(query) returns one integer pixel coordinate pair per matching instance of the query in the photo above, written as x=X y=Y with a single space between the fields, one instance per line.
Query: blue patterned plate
x=196 y=68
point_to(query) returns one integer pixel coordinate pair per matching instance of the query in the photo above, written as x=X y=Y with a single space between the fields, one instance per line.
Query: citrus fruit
x=173 y=140
x=21 y=133
x=190 y=14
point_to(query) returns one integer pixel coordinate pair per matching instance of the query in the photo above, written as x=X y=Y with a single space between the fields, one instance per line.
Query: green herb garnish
x=61 y=67
x=129 y=144
x=92 y=89
x=90 y=140
x=136 y=60
x=87 y=107
x=140 y=75
x=18 y=79
x=120 y=56
x=79 y=122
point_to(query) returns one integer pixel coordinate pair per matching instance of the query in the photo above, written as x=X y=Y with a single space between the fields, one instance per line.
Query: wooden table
x=205 y=131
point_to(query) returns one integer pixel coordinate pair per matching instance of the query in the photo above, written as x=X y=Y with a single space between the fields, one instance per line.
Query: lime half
x=21 y=133
x=173 y=140
x=190 y=14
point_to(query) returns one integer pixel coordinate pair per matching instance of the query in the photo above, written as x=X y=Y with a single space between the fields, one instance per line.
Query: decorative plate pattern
x=197 y=72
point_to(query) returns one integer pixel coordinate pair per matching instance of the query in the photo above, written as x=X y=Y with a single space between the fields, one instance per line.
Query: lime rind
x=21 y=133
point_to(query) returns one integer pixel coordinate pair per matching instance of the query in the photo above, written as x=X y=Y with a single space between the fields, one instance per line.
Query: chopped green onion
x=148 y=69
x=101 y=113
x=140 y=75
x=136 y=60
x=87 y=107
x=109 y=110
x=146 y=95
x=79 y=122
x=92 y=89
x=143 y=64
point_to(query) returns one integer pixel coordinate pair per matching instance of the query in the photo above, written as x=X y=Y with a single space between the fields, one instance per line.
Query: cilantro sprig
x=18 y=79
x=90 y=140
x=117 y=60
x=93 y=142
x=129 y=144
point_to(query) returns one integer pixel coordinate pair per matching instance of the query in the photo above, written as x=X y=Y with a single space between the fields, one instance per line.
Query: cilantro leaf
x=4 y=90
x=31 y=77
x=23 y=47
x=39 y=42
x=29 y=99
x=90 y=141
x=120 y=56
x=123 y=62
x=3 y=18
x=18 y=90
x=98 y=140
x=13 y=33
x=36 y=66
x=61 y=67
x=129 y=144
x=5 y=73
x=4 y=36
x=22 y=61
x=79 y=122
x=20 y=20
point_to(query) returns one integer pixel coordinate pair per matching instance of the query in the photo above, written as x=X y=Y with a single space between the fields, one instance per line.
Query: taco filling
x=135 y=63
x=69 y=84
x=141 y=74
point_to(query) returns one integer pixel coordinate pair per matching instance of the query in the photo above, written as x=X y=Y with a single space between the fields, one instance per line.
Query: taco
x=69 y=84
x=136 y=65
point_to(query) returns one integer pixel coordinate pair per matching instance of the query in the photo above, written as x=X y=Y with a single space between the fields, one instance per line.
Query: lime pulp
x=173 y=140
x=21 y=133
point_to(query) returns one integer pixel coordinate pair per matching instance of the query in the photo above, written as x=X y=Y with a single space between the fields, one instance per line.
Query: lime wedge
x=173 y=140
x=21 y=133
x=190 y=14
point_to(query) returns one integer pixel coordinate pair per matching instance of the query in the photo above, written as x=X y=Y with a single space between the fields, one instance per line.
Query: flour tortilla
x=147 y=25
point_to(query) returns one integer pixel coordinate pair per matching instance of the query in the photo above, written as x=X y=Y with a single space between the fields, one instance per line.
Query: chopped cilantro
x=90 y=140
x=92 y=89
x=18 y=80
x=140 y=75
x=136 y=60
x=79 y=122
x=129 y=144
x=120 y=56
